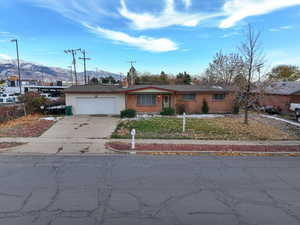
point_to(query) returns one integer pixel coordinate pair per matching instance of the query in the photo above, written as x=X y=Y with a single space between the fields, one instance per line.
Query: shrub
x=181 y=109
x=33 y=102
x=128 y=113
x=168 y=112
x=205 y=107
x=236 y=108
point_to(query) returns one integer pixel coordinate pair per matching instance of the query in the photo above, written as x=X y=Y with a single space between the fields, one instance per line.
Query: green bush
x=128 y=113
x=181 y=109
x=205 y=107
x=168 y=112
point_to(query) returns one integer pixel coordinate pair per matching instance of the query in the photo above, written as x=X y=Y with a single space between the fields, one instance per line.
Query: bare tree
x=251 y=51
x=223 y=69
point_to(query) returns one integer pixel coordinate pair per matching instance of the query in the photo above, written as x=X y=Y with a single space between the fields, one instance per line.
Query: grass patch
x=228 y=128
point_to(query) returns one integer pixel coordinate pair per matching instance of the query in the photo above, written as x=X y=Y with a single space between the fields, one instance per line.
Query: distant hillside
x=34 y=71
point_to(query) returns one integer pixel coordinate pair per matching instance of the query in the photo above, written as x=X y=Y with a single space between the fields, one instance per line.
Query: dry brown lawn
x=227 y=128
x=26 y=126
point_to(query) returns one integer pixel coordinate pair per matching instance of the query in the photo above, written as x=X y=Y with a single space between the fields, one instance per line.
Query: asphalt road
x=139 y=190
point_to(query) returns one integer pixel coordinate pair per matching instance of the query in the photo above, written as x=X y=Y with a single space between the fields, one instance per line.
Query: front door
x=166 y=101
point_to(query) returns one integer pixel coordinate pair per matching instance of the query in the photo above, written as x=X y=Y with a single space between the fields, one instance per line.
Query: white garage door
x=94 y=106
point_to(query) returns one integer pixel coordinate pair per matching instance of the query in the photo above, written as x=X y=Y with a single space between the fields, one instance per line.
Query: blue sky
x=169 y=35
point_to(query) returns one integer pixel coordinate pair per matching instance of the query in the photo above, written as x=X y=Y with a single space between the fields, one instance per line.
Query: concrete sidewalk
x=46 y=145
x=56 y=146
x=146 y=141
x=76 y=145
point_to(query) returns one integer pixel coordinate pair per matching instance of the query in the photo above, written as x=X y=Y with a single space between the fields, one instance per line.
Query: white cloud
x=237 y=10
x=142 y=42
x=6 y=36
x=283 y=56
x=89 y=13
x=227 y=35
x=289 y=27
x=168 y=17
x=187 y=3
x=4 y=57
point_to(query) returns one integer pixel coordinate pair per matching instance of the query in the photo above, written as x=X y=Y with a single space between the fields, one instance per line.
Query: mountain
x=33 y=71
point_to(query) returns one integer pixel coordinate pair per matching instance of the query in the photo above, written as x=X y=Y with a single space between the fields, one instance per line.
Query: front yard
x=227 y=128
x=26 y=126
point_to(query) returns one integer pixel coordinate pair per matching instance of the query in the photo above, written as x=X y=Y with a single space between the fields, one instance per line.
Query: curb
x=202 y=153
x=206 y=153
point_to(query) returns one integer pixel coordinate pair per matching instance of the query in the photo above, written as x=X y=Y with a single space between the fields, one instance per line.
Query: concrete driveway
x=92 y=127
x=71 y=135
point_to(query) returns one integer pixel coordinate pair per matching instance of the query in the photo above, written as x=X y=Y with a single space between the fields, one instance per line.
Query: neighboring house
x=97 y=99
x=281 y=95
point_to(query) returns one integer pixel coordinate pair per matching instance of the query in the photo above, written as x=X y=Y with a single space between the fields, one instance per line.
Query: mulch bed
x=30 y=126
x=122 y=146
x=9 y=145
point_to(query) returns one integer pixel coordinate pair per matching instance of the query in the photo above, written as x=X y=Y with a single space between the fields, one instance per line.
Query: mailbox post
x=133 y=132
x=183 y=122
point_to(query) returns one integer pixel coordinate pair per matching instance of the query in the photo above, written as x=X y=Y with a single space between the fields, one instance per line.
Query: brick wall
x=194 y=106
x=9 y=112
x=131 y=103
x=215 y=106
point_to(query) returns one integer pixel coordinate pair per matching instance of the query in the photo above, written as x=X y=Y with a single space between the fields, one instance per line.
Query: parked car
x=8 y=98
x=295 y=107
x=271 y=110
x=49 y=96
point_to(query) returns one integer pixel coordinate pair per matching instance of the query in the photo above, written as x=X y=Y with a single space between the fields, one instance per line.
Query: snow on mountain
x=33 y=71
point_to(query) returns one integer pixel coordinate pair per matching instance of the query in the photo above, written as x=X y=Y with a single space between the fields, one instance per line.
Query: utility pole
x=84 y=64
x=42 y=78
x=71 y=73
x=73 y=52
x=259 y=67
x=18 y=62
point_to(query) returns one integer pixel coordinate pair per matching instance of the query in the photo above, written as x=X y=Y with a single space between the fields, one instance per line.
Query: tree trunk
x=246 y=112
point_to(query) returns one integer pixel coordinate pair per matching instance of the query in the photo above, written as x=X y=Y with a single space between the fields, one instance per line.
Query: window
x=219 y=96
x=146 y=99
x=188 y=97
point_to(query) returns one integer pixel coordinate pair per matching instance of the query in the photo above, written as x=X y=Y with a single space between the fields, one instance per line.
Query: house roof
x=283 y=88
x=118 y=89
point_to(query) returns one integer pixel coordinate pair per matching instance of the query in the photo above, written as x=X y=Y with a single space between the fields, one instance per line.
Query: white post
x=133 y=132
x=183 y=122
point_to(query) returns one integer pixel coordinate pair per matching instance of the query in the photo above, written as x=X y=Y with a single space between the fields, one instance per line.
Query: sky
x=168 y=35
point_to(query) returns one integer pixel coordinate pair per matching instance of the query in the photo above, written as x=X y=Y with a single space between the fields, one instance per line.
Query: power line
x=132 y=62
x=84 y=58
x=73 y=52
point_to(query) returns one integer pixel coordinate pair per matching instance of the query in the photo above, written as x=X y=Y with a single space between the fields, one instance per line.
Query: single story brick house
x=100 y=99
x=281 y=95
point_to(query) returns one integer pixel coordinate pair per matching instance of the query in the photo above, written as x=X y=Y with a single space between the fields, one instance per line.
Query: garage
x=94 y=106
x=95 y=100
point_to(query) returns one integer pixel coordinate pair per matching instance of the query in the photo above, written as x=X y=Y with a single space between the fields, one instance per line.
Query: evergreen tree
x=94 y=81
x=205 y=108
